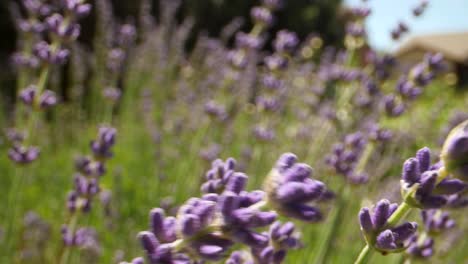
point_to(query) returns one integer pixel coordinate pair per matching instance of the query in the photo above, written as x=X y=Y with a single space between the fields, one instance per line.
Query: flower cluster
x=346 y=155
x=90 y=169
x=421 y=184
x=60 y=30
x=381 y=235
x=86 y=188
x=435 y=223
x=455 y=152
x=291 y=189
x=410 y=87
x=206 y=228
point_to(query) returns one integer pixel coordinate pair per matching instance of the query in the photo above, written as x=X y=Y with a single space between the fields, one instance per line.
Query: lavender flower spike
x=290 y=189
x=384 y=238
x=455 y=152
x=421 y=186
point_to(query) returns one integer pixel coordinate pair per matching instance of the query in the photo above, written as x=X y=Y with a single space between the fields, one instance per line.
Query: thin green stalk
x=400 y=213
x=332 y=228
x=364 y=256
x=12 y=209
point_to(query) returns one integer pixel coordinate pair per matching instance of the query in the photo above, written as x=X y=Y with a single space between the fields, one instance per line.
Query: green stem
x=400 y=213
x=364 y=256
x=332 y=228
x=12 y=209
x=365 y=157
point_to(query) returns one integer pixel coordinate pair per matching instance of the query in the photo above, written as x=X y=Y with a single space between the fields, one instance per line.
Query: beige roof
x=454 y=46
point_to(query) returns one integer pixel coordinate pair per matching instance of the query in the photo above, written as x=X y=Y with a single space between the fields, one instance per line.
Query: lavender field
x=136 y=141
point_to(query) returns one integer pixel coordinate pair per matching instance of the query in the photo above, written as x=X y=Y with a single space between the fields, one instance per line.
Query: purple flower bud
x=286 y=161
x=455 y=152
x=299 y=192
x=365 y=220
x=285 y=41
x=404 y=231
x=436 y=221
x=112 y=94
x=273 y=4
x=450 y=186
x=189 y=224
x=261 y=15
x=386 y=240
x=263 y=133
x=411 y=171
x=424 y=157
x=127 y=35
x=77 y=7
x=157 y=221
x=250 y=238
x=381 y=214
x=304 y=212
x=356 y=30
x=248 y=41
x=275 y=62
x=115 y=59
x=420 y=249
x=216 y=110
x=23 y=155
x=148 y=242
x=48 y=99
x=28 y=94
x=237 y=182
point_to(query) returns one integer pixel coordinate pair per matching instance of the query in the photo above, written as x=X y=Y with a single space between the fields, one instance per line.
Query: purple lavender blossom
x=218 y=111
x=429 y=193
x=262 y=15
x=290 y=189
x=393 y=108
x=47 y=54
x=282 y=238
x=101 y=147
x=112 y=94
x=418 y=248
x=382 y=237
x=356 y=30
x=24 y=60
x=37 y=7
x=28 y=94
x=345 y=157
x=436 y=221
x=222 y=176
x=248 y=41
x=115 y=59
x=30 y=26
x=46 y=100
x=23 y=155
x=206 y=228
x=285 y=41
x=263 y=133
x=61 y=28
x=77 y=7
x=273 y=4
x=126 y=35
x=14 y=135
x=455 y=152
x=276 y=62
